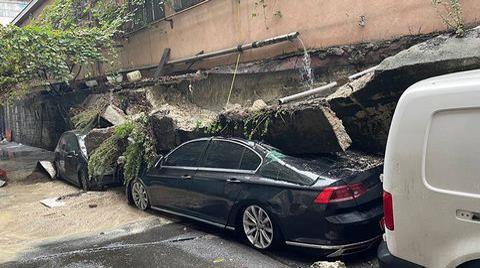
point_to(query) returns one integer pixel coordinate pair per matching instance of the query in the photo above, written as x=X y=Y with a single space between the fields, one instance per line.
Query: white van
x=432 y=176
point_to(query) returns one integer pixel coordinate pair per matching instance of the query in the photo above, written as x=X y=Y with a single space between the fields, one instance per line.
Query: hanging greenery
x=68 y=38
x=140 y=152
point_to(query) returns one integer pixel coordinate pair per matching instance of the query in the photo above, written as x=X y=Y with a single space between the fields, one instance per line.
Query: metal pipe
x=362 y=73
x=307 y=93
x=239 y=48
x=322 y=89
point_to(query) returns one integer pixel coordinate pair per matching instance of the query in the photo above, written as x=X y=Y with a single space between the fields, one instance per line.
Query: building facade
x=9 y=9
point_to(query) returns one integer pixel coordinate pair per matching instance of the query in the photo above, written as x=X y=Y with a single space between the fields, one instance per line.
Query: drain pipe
x=239 y=48
x=324 y=88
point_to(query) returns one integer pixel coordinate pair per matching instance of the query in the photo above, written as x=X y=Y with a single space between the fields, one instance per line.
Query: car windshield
x=291 y=169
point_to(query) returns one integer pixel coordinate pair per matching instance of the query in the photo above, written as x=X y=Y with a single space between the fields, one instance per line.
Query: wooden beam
x=163 y=62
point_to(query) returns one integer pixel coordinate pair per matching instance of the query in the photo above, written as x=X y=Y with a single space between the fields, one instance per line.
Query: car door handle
x=233 y=180
x=186 y=177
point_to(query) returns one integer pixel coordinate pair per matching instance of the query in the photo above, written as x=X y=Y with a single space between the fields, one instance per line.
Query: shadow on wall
x=40 y=119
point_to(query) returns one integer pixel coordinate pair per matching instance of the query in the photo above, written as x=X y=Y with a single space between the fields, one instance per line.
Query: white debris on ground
x=52 y=202
x=327 y=264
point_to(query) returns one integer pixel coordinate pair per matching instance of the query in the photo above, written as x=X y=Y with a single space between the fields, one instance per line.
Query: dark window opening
x=150 y=11
x=187 y=155
x=225 y=155
x=250 y=161
x=183 y=4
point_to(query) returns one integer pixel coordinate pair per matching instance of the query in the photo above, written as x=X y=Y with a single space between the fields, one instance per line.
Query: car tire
x=139 y=196
x=57 y=174
x=83 y=179
x=258 y=228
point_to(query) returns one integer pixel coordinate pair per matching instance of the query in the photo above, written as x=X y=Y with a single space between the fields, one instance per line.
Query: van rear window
x=452 y=159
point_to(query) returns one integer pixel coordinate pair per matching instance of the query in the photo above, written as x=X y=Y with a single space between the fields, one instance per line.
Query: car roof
x=239 y=140
x=448 y=80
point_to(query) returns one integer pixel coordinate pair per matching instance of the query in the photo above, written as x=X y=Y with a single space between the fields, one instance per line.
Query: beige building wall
x=219 y=24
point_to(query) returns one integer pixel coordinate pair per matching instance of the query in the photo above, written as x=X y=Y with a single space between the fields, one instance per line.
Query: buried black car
x=270 y=198
x=71 y=163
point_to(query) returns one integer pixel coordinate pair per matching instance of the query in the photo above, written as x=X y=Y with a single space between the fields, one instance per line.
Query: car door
x=72 y=153
x=60 y=154
x=218 y=180
x=168 y=184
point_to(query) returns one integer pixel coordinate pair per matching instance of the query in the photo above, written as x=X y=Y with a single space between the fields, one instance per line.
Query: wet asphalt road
x=161 y=241
x=181 y=243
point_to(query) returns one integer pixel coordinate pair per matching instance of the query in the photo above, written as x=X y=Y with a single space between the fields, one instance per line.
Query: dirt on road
x=25 y=222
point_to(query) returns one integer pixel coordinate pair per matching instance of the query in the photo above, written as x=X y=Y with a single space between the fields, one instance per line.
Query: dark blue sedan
x=329 y=203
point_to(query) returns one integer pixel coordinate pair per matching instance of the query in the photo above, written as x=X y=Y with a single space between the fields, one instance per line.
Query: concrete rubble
x=114 y=115
x=327 y=264
x=366 y=105
x=308 y=127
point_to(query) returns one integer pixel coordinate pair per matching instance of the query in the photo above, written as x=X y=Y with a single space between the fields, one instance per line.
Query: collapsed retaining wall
x=39 y=120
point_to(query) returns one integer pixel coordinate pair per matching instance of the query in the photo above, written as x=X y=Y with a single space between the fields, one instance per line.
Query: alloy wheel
x=258 y=227
x=139 y=195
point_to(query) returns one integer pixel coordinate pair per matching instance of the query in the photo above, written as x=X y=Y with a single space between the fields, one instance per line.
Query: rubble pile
x=357 y=115
x=366 y=106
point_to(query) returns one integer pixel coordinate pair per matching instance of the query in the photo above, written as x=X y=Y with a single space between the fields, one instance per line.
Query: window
x=286 y=168
x=183 y=4
x=187 y=155
x=250 y=161
x=71 y=144
x=226 y=155
x=150 y=11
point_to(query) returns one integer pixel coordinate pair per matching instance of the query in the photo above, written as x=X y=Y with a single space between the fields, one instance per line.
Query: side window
x=61 y=144
x=226 y=155
x=275 y=170
x=187 y=155
x=71 y=143
x=250 y=161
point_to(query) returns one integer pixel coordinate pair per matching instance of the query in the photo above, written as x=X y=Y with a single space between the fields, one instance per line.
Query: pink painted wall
x=219 y=24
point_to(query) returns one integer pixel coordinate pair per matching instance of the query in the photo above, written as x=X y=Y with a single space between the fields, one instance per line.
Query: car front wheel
x=139 y=195
x=259 y=228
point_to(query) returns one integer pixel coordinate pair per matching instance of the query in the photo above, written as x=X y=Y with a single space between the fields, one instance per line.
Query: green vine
x=139 y=153
x=451 y=15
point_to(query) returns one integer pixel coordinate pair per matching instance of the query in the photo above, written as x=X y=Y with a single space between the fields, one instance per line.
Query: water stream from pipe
x=306 y=70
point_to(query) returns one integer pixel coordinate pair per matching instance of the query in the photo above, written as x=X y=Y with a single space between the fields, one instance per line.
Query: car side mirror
x=158 y=161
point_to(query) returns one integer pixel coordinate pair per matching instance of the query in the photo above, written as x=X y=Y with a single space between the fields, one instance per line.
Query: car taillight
x=388 y=211
x=340 y=193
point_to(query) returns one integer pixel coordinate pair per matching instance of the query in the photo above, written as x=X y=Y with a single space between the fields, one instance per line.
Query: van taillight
x=388 y=211
x=340 y=193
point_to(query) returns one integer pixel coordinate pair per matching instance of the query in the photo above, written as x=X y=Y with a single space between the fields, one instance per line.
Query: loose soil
x=25 y=222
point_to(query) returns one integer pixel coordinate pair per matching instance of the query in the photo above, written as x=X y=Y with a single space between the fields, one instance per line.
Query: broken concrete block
x=114 y=115
x=96 y=136
x=258 y=105
x=308 y=127
x=328 y=264
x=47 y=167
x=164 y=129
x=366 y=105
x=2 y=183
x=134 y=76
